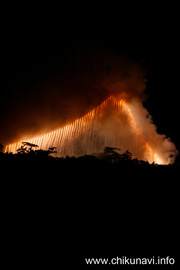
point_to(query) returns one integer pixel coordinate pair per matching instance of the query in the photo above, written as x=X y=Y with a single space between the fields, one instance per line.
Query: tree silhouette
x=110 y=154
x=52 y=150
x=26 y=148
x=127 y=155
x=1 y=148
x=29 y=149
x=22 y=150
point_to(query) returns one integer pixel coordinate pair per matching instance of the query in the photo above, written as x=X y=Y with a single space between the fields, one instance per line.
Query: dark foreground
x=59 y=212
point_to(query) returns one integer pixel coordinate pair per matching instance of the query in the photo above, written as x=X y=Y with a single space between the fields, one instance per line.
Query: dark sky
x=33 y=54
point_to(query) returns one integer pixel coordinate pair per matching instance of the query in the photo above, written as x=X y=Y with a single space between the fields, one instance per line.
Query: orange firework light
x=112 y=123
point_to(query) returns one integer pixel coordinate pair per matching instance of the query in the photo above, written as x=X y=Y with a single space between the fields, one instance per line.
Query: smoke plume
x=79 y=84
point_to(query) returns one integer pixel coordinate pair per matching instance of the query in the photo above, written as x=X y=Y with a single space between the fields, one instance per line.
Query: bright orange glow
x=109 y=124
x=146 y=146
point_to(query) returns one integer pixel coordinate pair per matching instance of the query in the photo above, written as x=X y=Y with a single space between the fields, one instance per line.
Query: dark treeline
x=112 y=163
x=110 y=156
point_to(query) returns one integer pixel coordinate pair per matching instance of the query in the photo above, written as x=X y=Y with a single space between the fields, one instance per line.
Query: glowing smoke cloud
x=87 y=81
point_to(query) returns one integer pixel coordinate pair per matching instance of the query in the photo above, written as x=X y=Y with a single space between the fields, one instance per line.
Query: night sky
x=33 y=55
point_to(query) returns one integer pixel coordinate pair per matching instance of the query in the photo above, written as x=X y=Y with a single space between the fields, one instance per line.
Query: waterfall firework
x=95 y=100
x=111 y=123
